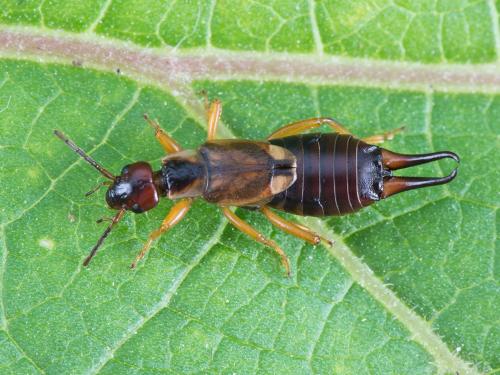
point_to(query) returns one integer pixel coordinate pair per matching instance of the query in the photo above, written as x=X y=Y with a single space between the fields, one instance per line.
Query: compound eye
x=123 y=190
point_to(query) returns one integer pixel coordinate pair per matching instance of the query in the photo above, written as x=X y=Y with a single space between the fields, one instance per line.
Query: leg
x=168 y=143
x=293 y=229
x=380 y=138
x=213 y=113
x=248 y=230
x=302 y=126
x=176 y=214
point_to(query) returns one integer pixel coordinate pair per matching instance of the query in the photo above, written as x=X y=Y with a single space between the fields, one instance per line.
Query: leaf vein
x=21 y=350
x=495 y=25
x=322 y=326
x=162 y=303
x=39 y=113
x=100 y=16
x=318 y=44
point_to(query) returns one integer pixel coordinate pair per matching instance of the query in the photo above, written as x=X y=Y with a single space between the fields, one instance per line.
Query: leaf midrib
x=173 y=67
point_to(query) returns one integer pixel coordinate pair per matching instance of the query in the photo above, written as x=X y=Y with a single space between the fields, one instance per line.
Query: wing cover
x=241 y=173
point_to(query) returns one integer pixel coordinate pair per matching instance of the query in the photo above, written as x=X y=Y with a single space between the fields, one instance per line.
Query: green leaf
x=411 y=284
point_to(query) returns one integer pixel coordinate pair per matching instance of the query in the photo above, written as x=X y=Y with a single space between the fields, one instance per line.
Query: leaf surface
x=411 y=285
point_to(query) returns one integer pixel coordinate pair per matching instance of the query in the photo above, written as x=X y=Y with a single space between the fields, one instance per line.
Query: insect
x=318 y=174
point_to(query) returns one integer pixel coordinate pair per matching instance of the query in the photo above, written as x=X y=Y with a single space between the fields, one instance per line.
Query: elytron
x=317 y=174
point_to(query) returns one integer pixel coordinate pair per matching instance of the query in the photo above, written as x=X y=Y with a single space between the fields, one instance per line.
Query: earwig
x=318 y=174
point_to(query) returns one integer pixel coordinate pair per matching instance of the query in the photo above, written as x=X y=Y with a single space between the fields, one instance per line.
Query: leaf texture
x=411 y=284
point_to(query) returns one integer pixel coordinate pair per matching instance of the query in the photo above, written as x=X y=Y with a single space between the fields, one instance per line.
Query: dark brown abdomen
x=336 y=175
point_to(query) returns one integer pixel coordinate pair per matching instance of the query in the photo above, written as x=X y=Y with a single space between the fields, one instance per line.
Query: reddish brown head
x=134 y=189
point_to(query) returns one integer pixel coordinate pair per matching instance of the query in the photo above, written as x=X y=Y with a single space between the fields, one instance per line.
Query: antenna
x=115 y=220
x=84 y=155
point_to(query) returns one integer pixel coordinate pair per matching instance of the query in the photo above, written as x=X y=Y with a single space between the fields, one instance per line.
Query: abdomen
x=331 y=174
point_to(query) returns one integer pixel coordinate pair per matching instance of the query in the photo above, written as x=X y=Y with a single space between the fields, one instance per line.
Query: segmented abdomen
x=331 y=174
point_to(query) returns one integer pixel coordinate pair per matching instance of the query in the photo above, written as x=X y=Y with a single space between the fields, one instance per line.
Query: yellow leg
x=213 y=113
x=251 y=232
x=176 y=214
x=304 y=125
x=294 y=229
x=380 y=138
x=168 y=143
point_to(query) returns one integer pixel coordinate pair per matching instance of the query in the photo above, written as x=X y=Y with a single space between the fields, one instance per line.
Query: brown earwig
x=305 y=174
